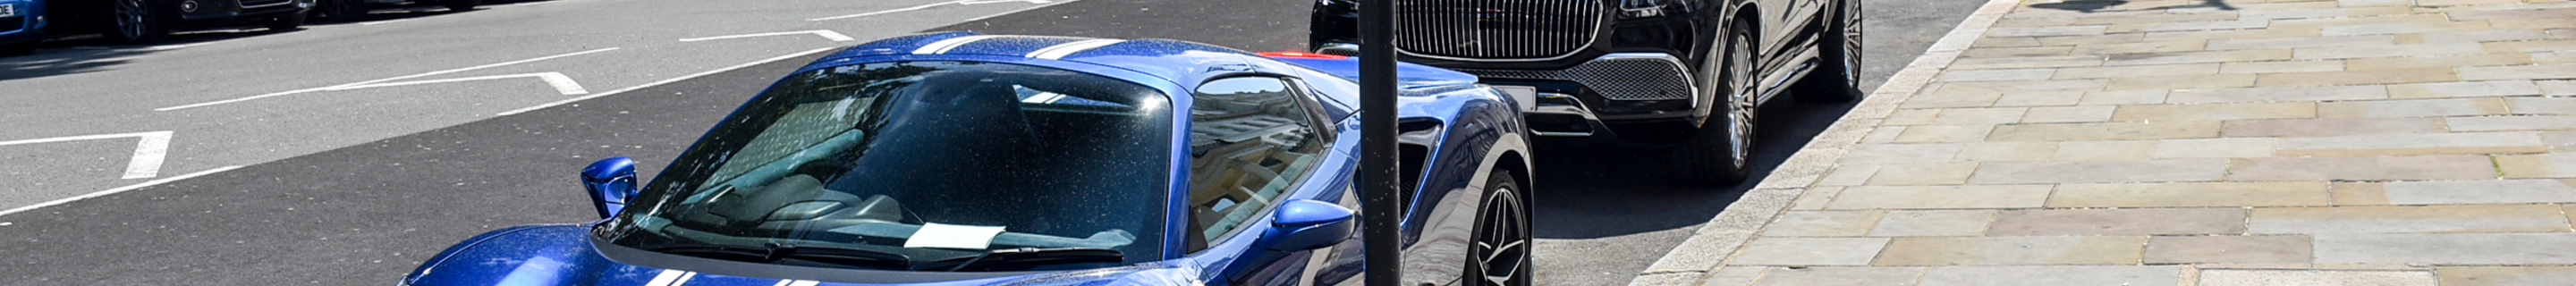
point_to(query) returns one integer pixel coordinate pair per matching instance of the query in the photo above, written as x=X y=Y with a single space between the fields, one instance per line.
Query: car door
x=1255 y=142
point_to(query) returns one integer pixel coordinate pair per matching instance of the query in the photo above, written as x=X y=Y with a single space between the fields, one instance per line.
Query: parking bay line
x=665 y=81
x=149 y=150
x=117 y=190
x=362 y=83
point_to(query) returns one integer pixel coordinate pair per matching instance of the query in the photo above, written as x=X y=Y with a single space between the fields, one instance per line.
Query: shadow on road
x=1590 y=191
x=92 y=53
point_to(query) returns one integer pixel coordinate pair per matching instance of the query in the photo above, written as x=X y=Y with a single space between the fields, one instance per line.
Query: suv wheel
x=139 y=21
x=1838 y=80
x=1716 y=151
x=460 y=5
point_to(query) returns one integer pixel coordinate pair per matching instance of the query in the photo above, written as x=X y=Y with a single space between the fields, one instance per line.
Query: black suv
x=1681 y=75
x=144 y=21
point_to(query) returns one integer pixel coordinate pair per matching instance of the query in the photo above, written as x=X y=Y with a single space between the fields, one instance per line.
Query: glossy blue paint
x=30 y=22
x=1307 y=224
x=1481 y=130
x=610 y=182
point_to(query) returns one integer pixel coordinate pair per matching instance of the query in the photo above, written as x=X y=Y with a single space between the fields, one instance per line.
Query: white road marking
x=256 y=97
x=562 y=84
x=827 y=34
x=662 y=82
x=927 y=6
x=148 y=153
x=942 y=46
x=1060 y=50
x=804 y=283
x=118 y=190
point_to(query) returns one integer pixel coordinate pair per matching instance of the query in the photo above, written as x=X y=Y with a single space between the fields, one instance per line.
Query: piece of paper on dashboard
x=933 y=235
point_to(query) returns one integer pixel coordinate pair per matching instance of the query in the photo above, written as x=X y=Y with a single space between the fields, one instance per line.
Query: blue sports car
x=22 y=23
x=965 y=159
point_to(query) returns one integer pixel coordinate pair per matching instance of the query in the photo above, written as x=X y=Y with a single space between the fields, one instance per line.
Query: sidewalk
x=2186 y=142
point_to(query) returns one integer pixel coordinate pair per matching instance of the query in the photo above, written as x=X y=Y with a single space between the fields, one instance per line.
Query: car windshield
x=921 y=165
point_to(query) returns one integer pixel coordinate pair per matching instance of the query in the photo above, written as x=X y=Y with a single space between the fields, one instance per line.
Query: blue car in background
x=965 y=159
x=22 y=24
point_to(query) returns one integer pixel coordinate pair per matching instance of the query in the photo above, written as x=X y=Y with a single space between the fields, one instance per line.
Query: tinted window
x=1250 y=140
x=863 y=158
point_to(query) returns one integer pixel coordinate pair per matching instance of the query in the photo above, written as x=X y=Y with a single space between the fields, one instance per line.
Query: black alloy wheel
x=1502 y=251
x=139 y=21
x=1838 y=80
x=460 y=5
x=1716 y=152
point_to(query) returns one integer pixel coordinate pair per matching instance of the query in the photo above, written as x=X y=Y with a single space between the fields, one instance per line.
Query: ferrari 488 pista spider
x=965 y=159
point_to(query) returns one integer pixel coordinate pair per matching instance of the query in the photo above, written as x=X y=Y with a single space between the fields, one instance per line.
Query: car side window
x=1251 y=139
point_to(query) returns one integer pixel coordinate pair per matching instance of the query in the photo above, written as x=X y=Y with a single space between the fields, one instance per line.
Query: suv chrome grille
x=1497 y=29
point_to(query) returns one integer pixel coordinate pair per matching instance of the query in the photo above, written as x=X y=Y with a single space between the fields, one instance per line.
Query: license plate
x=8 y=10
x=1526 y=95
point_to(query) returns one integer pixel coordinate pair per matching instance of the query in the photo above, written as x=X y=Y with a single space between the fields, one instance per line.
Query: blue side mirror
x=1308 y=224
x=610 y=181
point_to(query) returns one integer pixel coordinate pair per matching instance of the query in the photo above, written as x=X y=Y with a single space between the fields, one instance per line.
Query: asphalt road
x=357 y=185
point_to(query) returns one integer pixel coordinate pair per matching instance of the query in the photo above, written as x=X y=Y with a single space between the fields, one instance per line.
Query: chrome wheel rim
x=1502 y=248
x=130 y=18
x=1851 y=41
x=1739 y=89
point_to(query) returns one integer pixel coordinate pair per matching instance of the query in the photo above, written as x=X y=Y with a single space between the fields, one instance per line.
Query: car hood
x=564 y=255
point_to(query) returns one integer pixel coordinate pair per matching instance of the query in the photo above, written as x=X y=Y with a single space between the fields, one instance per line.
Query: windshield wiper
x=773 y=252
x=1029 y=256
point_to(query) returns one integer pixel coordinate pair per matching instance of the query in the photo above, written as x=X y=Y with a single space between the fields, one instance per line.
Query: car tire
x=346 y=11
x=1838 y=79
x=28 y=47
x=1716 y=152
x=1501 y=255
x=460 y=5
x=290 y=22
x=138 y=21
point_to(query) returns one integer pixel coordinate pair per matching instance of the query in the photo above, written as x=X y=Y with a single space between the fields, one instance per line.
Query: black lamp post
x=1379 y=211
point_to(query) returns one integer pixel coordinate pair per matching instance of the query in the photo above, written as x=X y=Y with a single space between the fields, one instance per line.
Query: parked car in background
x=1684 y=76
x=22 y=24
x=356 y=10
x=965 y=159
x=145 y=21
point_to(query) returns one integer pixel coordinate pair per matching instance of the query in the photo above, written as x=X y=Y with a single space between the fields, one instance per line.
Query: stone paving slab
x=2187 y=143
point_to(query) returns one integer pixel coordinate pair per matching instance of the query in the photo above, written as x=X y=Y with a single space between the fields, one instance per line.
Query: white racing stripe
x=942 y=46
x=1058 y=51
x=670 y=278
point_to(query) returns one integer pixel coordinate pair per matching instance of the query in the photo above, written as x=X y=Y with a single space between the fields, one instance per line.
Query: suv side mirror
x=611 y=181
x=1308 y=224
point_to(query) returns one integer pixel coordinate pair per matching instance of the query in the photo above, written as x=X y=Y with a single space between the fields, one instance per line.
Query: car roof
x=1177 y=61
